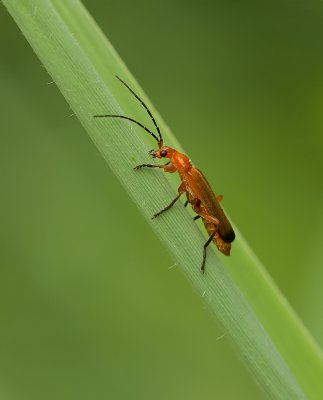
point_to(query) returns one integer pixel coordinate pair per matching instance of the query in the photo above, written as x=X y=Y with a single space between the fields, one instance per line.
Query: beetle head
x=162 y=152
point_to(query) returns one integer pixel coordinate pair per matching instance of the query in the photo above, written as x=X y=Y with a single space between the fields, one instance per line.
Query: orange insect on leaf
x=193 y=183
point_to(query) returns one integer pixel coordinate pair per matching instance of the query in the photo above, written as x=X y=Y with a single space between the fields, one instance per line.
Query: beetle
x=198 y=191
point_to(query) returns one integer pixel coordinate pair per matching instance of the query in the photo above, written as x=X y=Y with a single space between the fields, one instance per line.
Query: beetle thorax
x=180 y=161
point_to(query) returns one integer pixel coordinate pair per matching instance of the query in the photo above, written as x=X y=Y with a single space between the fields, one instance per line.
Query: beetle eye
x=163 y=153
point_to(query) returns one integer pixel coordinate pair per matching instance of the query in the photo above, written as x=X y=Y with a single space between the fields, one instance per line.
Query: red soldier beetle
x=198 y=191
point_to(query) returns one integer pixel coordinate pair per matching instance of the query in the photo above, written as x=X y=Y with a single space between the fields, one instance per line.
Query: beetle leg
x=219 y=198
x=208 y=218
x=196 y=205
x=167 y=207
x=151 y=165
x=210 y=239
x=181 y=190
x=197 y=216
x=170 y=168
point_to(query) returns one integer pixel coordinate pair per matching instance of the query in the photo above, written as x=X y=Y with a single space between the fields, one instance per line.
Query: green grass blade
x=266 y=333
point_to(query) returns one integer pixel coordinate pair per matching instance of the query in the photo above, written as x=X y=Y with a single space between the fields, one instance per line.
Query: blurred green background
x=91 y=307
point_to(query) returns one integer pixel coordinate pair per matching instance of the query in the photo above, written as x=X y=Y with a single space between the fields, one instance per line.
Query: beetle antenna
x=129 y=119
x=144 y=105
